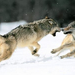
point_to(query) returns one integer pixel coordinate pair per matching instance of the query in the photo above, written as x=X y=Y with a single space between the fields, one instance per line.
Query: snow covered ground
x=23 y=63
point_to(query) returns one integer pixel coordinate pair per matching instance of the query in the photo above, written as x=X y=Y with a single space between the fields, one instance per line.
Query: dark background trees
x=63 y=11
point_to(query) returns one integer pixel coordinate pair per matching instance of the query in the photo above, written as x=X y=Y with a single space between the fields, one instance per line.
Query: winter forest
x=63 y=11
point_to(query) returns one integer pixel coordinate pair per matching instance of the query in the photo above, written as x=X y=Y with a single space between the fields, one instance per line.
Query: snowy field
x=23 y=63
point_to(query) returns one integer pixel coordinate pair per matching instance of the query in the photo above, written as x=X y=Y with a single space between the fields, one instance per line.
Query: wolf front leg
x=35 y=44
x=57 y=49
x=68 y=54
x=31 y=48
x=66 y=46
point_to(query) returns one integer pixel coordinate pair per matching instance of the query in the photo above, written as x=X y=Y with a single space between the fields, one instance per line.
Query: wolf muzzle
x=67 y=32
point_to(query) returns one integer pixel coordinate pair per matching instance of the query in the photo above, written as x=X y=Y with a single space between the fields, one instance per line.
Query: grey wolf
x=27 y=35
x=68 y=42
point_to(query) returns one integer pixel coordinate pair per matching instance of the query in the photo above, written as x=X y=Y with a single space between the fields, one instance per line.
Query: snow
x=23 y=63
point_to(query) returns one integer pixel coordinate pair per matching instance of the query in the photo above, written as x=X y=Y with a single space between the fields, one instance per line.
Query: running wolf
x=27 y=35
x=68 y=42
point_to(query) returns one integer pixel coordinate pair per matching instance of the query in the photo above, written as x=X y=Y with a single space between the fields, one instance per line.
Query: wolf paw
x=34 y=52
x=36 y=55
x=61 y=57
x=53 y=51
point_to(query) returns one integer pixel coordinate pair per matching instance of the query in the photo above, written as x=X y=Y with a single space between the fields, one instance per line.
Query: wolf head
x=70 y=29
x=54 y=27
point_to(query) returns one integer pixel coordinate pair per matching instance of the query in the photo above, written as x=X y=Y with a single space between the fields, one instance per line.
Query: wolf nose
x=62 y=29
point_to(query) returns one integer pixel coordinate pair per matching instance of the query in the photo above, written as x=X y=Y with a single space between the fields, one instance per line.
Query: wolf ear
x=50 y=22
x=46 y=17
